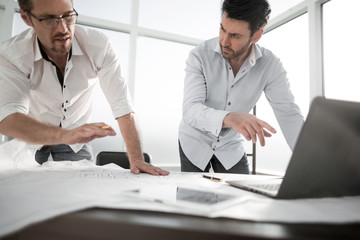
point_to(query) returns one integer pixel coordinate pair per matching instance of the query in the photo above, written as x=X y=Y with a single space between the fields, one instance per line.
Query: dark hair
x=255 y=12
x=26 y=5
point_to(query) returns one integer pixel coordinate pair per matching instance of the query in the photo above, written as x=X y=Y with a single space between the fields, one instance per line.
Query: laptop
x=326 y=158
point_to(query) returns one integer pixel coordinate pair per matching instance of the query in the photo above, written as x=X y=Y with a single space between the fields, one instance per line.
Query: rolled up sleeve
x=114 y=85
x=14 y=90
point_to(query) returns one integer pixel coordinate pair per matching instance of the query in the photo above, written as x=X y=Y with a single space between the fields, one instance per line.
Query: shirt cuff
x=217 y=122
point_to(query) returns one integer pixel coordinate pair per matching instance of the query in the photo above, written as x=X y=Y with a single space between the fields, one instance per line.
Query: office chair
x=119 y=158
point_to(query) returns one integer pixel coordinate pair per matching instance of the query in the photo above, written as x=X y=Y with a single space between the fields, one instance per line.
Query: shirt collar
x=255 y=53
x=40 y=53
x=217 y=48
x=76 y=50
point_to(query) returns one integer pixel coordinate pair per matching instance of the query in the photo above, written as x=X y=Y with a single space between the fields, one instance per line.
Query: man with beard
x=47 y=77
x=225 y=77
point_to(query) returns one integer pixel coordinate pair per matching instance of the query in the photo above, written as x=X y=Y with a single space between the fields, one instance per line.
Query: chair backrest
x=119 y=158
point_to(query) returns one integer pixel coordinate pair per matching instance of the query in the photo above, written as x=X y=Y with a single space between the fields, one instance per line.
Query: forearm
x=131 y=137
x=228 y=121
x=30 y=130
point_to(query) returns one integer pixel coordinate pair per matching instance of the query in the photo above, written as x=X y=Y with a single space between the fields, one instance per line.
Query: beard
x=61 y=48
x=229 y=53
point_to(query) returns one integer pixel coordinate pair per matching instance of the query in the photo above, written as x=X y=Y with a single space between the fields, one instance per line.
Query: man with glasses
x=47 y=77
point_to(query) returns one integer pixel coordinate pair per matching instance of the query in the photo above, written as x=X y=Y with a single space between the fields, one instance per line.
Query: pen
x=105 y=127
x=215 y=179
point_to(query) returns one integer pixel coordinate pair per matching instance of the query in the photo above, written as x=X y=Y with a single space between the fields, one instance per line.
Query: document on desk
x=30 y=195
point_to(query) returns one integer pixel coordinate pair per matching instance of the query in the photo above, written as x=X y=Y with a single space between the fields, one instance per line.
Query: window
x=159 y=95
x=280 y=6
x=290 y=43
x=199 y=19
x=2 y=24
x=101 y=109
x=19 y=25
x=113 y=10
x=341 y=49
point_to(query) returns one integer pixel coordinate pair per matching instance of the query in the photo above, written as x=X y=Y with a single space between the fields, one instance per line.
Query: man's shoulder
x=265 y=51
x=207 y=49
x=19 y=50
x=208 y=45
x=266 y=54
x=19 y=42
x=90 y=37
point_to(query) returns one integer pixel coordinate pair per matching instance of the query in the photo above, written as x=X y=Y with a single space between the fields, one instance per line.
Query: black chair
x=119 y=158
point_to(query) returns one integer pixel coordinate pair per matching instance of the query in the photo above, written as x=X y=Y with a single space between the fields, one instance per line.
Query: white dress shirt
x=211 y=91
x=29 y=84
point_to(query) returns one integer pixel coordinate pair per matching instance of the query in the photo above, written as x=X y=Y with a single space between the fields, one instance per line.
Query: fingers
x=96 y=130
x=88 y=132
x=102 y=126
x=266 y=133
x=257 y=129
x=144 y=167
x=267 y=126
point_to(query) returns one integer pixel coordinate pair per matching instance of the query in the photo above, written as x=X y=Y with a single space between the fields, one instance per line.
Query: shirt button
x=64 y=109
x=229 y=103
x=232 y=86
x=64 y=86
x=67 y=101
x=213 y=149
x=218 y=140
x=64 y=118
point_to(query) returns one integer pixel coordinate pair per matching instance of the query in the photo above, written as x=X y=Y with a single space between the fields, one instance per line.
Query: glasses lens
x=49 y=22
x=71 y=19
x=53 y=22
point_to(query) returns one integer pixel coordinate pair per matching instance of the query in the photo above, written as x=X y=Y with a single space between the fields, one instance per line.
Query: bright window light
x=341 y=49
x=158 y=96
x=197 y=19
x=290 y=43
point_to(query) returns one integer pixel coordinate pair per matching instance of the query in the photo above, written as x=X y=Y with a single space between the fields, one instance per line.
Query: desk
x=48 y=202
x=100 y=223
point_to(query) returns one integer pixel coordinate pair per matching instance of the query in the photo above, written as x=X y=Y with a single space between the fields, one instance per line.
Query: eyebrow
x=239 y=34
x=53 y=15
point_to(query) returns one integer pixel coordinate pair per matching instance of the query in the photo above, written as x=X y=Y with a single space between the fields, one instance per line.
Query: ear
x=257 y=35
x=25 y=17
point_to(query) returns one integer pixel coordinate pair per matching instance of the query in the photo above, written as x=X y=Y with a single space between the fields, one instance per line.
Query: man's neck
x=58 y=59
x=237 y=62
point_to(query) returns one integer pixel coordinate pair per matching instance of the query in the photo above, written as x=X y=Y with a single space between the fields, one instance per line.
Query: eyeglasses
x=52 y=22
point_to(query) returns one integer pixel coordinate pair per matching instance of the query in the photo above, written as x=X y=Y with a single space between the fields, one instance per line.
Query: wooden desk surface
x=99 y=223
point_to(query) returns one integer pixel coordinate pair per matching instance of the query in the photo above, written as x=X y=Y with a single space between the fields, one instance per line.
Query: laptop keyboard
x=268 y=187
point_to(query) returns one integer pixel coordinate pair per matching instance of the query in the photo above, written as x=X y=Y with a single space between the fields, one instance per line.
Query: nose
x=225 y=40
x=61 y=25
